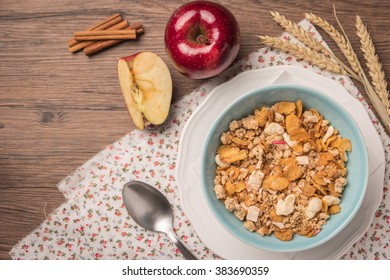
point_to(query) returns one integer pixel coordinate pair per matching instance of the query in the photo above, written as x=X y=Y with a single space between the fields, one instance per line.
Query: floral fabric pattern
x=93 y=223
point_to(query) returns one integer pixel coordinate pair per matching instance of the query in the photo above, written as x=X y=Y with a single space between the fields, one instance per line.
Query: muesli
x=281 y=170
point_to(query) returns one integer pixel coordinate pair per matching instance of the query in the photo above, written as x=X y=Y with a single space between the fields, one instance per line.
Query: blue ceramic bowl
x=357 y=165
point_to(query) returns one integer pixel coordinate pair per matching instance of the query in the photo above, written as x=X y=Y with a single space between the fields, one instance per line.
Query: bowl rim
x=306 y=90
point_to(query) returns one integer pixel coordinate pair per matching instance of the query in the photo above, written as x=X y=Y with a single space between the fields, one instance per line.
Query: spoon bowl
x=151 y=210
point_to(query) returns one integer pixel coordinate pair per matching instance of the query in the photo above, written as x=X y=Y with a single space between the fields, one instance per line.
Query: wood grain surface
x=58 y=109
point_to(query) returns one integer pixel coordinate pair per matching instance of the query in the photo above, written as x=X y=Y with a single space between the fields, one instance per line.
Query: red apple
x=146 y=86
x=202 y=39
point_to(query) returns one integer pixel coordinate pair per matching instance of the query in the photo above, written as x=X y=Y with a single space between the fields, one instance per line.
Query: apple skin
x=202 y=39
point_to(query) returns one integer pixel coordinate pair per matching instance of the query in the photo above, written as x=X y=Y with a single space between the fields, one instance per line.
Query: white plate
x=210 y=231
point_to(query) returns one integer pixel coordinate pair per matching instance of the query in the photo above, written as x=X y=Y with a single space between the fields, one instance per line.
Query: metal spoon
x=151 y=210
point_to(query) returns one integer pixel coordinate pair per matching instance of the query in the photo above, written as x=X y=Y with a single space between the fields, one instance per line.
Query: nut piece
x=221 y=163
x=331 y=200
x=288 y=140
x=274 y=128
x=328 y=133
x=285 y=207
x=315 y=205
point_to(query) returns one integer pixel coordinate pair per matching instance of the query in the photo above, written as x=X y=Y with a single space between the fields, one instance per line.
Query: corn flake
x=299 y=108
x=230 y=187
x=275 y=217
x=333 y=171
x=240 y=142
x=276 y=183
x=299 y=135
x=284 y=235
x=319 y=179
x=232 y=154
x=325 y=158
x=308 y=190
x=233 y=172
x=298 y=148
x=262 y=116
x=293 y=122
x=324 y=206
x=334 y=209
x=304 y=231
x=223 y=148
x=345 y=145
x=288 y=161
x=330 y=139
x=320 y=188
x=240 y=186
x=284 y=107
x=292 y=172
x=277 y=171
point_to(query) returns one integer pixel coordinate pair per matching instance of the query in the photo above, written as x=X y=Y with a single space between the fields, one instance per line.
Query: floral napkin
x=93 y=223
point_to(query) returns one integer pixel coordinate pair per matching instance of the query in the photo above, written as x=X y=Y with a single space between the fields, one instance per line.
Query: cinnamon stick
x=102 y=45
x=82 y=44
x=138 y=27
x=140 y=31
x=106 y=35
x=104 y=24
x=101 y=33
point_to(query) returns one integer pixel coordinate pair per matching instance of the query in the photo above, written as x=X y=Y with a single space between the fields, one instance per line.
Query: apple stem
x=203 y=39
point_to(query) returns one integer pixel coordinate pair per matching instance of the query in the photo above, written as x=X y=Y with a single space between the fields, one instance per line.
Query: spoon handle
x=187 y=254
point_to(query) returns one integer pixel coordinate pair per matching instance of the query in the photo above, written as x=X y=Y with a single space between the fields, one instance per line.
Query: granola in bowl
x=282 y=170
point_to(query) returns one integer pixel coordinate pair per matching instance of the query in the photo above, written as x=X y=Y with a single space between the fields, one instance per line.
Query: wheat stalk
x=303 y=53
x=299 y=33
x=377 y=75
x=376 y=101
x=308 y=40
x=339 y=39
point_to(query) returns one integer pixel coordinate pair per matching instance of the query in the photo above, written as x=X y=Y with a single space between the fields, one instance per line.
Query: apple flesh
x=146 y=86
x=202 y=39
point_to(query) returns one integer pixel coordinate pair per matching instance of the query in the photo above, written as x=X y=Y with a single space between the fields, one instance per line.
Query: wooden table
x=58 y=109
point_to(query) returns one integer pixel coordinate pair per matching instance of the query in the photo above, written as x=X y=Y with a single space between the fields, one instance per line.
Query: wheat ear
x=299 y=33
x=308 y=40
x=376 y=101
x=339 y=39
x=303 y=53
x=377 y=75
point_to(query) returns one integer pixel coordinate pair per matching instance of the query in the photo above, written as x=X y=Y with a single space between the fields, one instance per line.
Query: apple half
x=146 y=86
